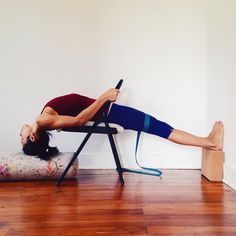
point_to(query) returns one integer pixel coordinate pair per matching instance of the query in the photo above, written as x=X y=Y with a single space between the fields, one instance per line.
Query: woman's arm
x=50 y=122
x=88 y=113
x=47 y=121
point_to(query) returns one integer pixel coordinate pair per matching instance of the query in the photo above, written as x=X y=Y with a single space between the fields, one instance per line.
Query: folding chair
x=96 y=129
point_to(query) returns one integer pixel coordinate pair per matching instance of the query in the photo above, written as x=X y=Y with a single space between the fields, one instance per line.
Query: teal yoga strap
x=148 y=171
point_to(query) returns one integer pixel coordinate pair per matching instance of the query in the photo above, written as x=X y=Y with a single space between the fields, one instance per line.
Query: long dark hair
x=40 y=148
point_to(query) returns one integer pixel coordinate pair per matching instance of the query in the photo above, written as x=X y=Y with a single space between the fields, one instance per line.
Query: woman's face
x=27 y=133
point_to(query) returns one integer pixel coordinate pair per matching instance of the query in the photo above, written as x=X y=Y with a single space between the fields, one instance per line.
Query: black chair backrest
x=119 y=84
x=107 y=104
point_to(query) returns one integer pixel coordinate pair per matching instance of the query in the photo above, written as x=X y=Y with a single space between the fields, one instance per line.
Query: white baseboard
x=164 y=160
x=230 y=176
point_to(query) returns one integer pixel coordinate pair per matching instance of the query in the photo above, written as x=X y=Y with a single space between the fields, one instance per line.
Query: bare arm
x=110 y=95
x=47 y=121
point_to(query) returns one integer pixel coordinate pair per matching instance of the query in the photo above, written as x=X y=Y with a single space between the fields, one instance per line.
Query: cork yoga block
x=212 y=164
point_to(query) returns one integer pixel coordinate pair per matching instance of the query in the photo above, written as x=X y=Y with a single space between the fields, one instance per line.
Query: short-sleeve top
x=71 y=104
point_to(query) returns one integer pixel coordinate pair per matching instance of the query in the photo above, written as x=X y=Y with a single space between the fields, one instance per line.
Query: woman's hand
x=110 y=95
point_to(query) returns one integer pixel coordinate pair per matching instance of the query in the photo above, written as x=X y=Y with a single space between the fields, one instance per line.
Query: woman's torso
x=70 y=104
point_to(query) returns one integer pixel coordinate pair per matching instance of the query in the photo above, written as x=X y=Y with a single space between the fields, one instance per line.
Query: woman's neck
x=35 y=128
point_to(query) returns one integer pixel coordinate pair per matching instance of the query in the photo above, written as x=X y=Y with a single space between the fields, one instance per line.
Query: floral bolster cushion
x=18 y=166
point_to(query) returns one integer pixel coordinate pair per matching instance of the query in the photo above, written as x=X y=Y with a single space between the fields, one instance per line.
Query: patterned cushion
x=18 y=166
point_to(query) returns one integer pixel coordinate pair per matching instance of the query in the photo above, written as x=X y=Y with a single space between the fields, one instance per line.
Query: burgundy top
x=70 y=105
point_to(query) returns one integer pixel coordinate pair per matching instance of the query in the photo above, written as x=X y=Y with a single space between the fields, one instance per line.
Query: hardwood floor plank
x=190 y=230
x=182 y=202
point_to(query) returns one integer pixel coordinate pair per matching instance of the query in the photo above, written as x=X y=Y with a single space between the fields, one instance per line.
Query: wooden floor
x=181 y=203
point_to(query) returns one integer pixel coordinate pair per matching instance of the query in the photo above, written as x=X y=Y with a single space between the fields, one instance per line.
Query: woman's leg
x=133 y=119
x=214 y=141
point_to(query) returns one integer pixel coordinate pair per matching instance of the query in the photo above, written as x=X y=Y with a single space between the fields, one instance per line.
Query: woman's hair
x=40 y=147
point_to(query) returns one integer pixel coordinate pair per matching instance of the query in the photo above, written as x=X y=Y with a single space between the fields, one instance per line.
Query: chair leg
x=115 y=153
x=117 y=160
x=74 y=156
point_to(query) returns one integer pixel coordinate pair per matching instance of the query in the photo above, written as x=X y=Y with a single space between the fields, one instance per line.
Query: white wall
x=221 y=71
x=49 y=48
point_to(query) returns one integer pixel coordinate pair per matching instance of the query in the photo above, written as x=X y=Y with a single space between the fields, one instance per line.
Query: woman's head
x=28 y=132
x=38 y=145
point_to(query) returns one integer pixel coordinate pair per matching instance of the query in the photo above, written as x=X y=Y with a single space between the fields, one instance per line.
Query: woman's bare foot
x=213 y=130
x=217 y=136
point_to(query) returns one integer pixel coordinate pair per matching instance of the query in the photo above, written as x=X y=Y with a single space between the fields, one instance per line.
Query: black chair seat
x=87 y=129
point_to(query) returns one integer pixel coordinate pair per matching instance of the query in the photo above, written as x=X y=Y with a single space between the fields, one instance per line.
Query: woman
x=75 y=110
